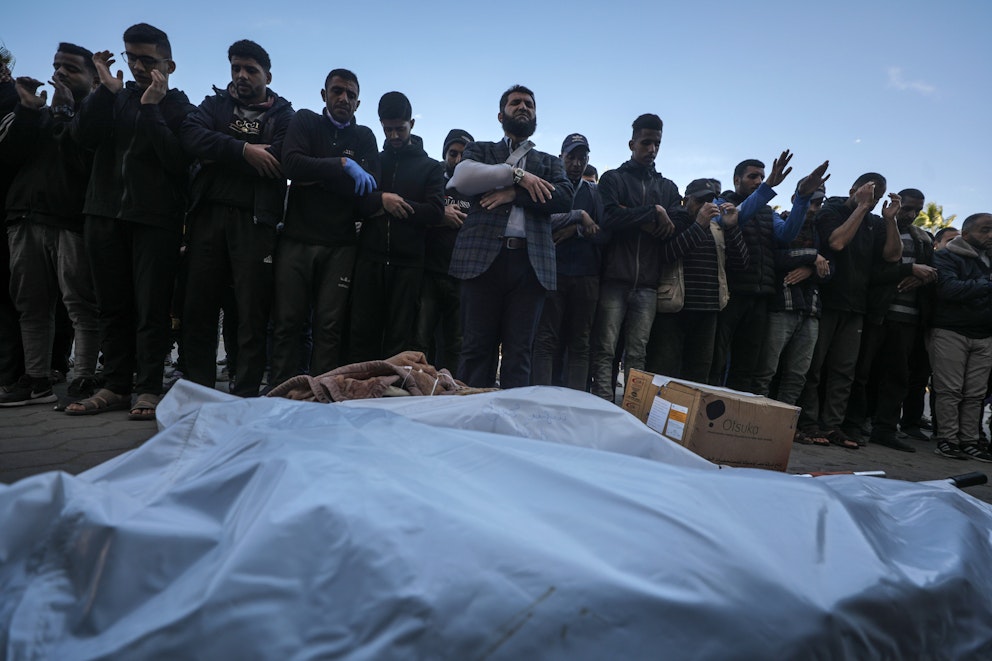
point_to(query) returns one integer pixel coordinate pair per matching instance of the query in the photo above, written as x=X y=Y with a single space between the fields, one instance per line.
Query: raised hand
x=779 y=170
x=102 y=61
x=706 y=213
x=728 y=213
x=27 y=91
x=891 y=207
x=865 y=195
x=812 y=182
x=155 y=92
x=262 y=160
x=63 y=95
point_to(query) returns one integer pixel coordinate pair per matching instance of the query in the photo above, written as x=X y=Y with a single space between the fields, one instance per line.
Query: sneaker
x=29 y=391
x=975 y=451
x=894 y=443
x=949 y=450
x=926 y=423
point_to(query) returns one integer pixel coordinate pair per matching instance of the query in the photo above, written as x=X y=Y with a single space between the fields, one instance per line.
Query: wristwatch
x=518 y=174
x=64 y=110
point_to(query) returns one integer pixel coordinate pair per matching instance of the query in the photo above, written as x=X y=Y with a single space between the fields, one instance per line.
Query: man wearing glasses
x=134 y=210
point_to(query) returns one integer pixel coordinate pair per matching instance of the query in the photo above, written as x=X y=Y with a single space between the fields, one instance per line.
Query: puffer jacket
x=964 y=291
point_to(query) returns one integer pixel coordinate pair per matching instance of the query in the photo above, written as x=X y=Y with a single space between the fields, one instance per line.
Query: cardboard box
x=725 y=426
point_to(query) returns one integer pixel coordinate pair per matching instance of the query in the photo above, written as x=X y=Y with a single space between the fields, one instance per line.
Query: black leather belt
x=513 y=242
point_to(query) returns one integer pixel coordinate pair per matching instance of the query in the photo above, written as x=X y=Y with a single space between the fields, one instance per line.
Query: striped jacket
x=478 y=240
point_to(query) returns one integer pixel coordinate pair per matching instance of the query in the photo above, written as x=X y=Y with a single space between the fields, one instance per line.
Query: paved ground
x=36 y=439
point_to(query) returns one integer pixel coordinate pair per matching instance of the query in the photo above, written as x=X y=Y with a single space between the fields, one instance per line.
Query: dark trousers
x=383 y=309
x=566 y=323
x=439 y=325
x=740 y=332
x=500 y=307
x=316 y=277
x=229 y=255
x=681 y=344
x=836 y=358
x=919 y=377
x=134 y=271
x=884 y=355
x=11 y=350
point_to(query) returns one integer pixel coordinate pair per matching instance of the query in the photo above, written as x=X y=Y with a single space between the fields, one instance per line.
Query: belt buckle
x=513 y=242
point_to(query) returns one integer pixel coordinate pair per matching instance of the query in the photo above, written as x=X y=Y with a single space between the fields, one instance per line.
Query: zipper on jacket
x=124 y=159
x=389 y=220
x=637 y=251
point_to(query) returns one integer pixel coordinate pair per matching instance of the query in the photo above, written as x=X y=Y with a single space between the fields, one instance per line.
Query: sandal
x=837 y=437
x=810 y=439
x=144 y=408
x=101 y=401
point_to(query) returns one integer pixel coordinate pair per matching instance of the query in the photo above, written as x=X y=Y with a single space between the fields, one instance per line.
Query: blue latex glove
x=364 y=182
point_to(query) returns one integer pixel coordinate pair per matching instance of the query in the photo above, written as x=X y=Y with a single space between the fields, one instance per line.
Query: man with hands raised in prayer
x=135 y=204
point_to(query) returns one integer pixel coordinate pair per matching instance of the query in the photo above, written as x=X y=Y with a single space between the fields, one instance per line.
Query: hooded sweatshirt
x=417 y=178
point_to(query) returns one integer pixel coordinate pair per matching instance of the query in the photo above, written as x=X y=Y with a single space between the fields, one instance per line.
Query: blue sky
x=898 y=87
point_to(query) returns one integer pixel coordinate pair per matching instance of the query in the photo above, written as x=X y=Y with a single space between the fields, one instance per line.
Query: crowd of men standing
x=135 y=209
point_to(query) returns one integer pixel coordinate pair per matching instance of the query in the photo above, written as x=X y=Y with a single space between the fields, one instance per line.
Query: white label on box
x=676 y=422
x=667 y=419
x=658 y=415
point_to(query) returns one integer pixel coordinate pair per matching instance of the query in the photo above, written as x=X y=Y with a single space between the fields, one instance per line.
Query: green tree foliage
x=931 y=218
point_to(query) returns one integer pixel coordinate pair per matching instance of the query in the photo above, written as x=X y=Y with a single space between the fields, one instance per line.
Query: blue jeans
x=791 y=338
x=619 y=303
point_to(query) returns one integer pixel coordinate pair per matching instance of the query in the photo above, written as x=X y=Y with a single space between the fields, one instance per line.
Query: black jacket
x=140 y=171
x=805 y=296
x=213 y=135
x=52 y=171
x=630 y=194
x=322 y=206
x=886 y=276
x=964 y=291
x=847 y=290
x=759 y=235
x=417 y=178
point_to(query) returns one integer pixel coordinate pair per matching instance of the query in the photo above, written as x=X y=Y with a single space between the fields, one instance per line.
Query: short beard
x=518 y=128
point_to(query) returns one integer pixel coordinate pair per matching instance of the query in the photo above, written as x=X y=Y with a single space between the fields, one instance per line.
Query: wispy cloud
x=898 y=81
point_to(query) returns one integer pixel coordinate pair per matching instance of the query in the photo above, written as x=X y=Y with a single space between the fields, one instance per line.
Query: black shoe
x=914 y=432
x=975 y=451
x=894 y=443
x=925 y=423
x=28 y=391
x=949 y=450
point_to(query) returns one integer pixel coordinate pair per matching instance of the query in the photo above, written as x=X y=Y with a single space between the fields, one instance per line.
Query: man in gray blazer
x=504 y=254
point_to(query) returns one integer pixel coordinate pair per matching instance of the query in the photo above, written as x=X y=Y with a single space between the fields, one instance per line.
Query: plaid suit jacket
x=478 y=240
